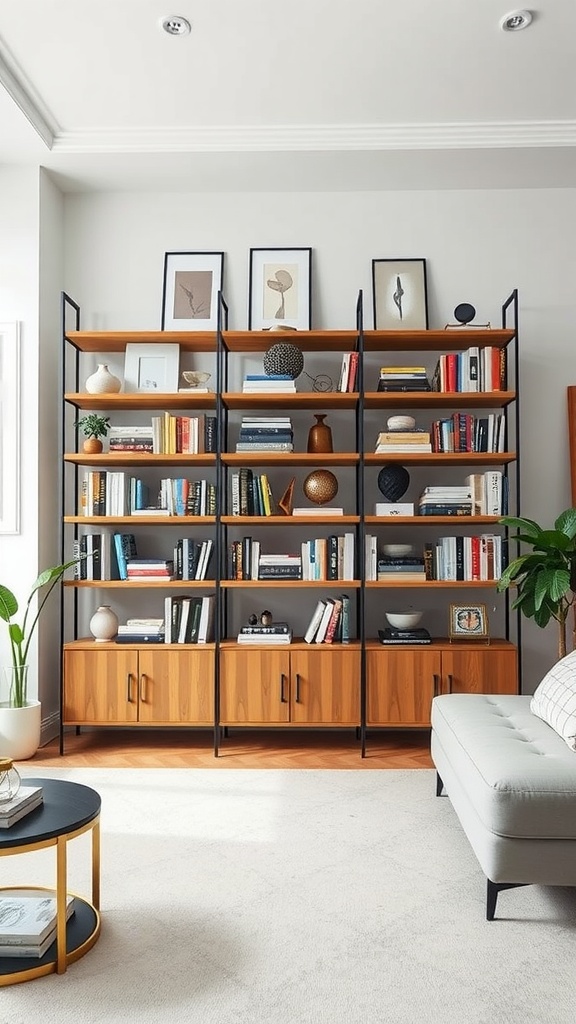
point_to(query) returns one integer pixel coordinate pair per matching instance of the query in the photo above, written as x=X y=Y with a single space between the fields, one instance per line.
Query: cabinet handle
x=450 y=681
x=282 y=695
x=298 y=701
x=143 y=679
x=129 y=688
x=436 y=684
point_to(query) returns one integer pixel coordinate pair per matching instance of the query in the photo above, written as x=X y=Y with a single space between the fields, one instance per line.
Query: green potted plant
x=545 y=577
x=20 y=718
x=94 y=427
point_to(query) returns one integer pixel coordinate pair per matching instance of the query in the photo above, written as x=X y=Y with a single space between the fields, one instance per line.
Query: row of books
x=330 y=622
x=268 y=383
x=251 y=494
x=109 y=493
x=476 y=369
x=265 y=434
x=475 y=558
x=328 y=558
x=105 y=556
x=348 y=380
x=403 y=378
x=463 y=432
x=29 y=922
x=192 y=558
x=484 y=494
x=416 y=440
x=246 y=562
x=166 y=434
x=189 y=620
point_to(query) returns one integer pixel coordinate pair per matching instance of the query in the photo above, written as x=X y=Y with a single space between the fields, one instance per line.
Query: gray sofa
x=512 y=782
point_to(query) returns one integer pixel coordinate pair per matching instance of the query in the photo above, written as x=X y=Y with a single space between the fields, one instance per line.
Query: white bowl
x=398 y=550
x=404 y=620
x=401 y=423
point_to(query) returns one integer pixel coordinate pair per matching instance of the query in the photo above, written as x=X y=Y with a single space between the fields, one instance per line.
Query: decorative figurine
x=266 y=618
x=253 y=620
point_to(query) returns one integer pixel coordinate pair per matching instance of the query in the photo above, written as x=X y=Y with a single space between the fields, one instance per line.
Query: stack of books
x=131 y=439
x=148 y=570
x=404 y=636
x=267 y=383
x=446 y=501
x=318 y=510
x=141 y=631
x=403 y=378
x=409 y=568
x=415 y=440
x=26 y=800
x=265 y=434
x=280 y=567
x=330 y=622
x=28 y=926
x=276 y=633
x=189 y=620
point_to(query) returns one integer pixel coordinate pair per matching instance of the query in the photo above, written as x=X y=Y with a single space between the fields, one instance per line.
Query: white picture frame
x=400 y=294
x=280 y=289
x=152 y=368
x=192 y=281
x=9 y=428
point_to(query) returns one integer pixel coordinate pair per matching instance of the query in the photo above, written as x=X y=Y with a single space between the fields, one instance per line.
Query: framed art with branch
x=192 y=281
x=9 y=428
x=399 y=295
x=468 y=622
x=280 y=289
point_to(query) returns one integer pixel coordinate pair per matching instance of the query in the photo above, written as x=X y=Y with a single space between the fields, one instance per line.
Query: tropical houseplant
x=94 y=427
x=20 y=740
x=545 y=576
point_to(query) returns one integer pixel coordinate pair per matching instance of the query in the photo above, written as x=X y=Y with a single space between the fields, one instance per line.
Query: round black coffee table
x=68 y=810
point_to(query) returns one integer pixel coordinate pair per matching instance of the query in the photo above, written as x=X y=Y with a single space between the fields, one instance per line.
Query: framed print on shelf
x=468 y=622
x=192 y=281
x=399 y=295
x=151 y=368
x=280 y=289
x=10 y=428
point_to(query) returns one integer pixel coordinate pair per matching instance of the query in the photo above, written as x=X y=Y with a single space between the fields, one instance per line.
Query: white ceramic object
x=20 y=730
x=102 y=382
x=404 y=620
x=104 y=624
x=196 y=378
x=400 y=423
x=398 y=550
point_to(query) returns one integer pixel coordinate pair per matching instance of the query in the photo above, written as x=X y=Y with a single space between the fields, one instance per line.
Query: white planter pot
x=20 y=730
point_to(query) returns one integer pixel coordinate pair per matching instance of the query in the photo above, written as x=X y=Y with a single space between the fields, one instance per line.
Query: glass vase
x=9 y=780
x=16 y=685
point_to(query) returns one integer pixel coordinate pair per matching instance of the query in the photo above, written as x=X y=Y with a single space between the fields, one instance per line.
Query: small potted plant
x=20 y=718
x=94 y=427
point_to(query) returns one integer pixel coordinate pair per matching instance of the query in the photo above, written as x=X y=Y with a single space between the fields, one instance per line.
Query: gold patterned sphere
x=320 y=486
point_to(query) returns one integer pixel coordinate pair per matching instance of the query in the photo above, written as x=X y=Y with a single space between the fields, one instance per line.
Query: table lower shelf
x=82 y=931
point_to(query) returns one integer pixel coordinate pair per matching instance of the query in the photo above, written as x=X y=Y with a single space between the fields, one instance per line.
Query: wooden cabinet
x=300 y=686
x=401 y=682
x=135 y=686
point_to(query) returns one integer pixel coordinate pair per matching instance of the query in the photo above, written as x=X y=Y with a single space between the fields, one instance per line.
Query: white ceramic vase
x=102 y=382
x=20 y=730
x=104 y=624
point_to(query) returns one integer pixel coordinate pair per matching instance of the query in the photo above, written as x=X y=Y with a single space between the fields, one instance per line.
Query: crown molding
x=315 y=138
x=25 y=97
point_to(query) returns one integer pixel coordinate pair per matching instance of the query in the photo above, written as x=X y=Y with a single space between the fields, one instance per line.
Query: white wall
x=479 y=246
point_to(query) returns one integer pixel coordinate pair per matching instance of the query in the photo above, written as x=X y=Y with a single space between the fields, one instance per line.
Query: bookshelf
x=358 y=685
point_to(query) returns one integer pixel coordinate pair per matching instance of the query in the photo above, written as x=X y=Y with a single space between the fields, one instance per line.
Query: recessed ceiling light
x=515 y=21
x=175 y=25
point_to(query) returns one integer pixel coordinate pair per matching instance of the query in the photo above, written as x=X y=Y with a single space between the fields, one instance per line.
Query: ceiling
x=316 y=94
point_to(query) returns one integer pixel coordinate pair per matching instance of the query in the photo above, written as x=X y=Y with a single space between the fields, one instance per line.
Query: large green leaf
x=551 y=585
x=8 y=603
x=514 y=522
x=566 y=522
x=50 y=574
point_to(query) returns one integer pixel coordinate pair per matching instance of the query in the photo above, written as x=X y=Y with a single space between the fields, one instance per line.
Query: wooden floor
x=242 y=748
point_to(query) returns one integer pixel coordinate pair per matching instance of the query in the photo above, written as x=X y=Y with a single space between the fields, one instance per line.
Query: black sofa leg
x=439 y=785
x=492 y=890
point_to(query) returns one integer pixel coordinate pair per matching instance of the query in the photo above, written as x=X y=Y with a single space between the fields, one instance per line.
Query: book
x=25 y=801
x=314 y=622
x=278 y=638
x=28 y=917
x=389 y=636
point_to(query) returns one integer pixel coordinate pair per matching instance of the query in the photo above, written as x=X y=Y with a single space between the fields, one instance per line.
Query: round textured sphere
x=393 y=481
x=284 y=358
x=320 y=486
x=464 y=312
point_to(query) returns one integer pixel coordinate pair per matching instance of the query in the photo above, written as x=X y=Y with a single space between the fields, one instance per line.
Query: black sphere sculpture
x=283 y=358
x=464 y=312
x=393 y=481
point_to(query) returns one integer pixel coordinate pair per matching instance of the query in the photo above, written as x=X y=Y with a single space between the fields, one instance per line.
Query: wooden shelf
x=290 y=584
x=116 y=341
x=429 y=584
x=289 y=520
x=307 y=341
x=290 y=459
x=143 y=585
x=442 y=458
x=136 y=402
x=138 y=459
x=471 y=521
x=301 y=400
x=457 y=340
x=141 y=520
x=431 y=400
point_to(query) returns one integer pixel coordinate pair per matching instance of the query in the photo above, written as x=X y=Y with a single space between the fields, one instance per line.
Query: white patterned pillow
x=555 y=699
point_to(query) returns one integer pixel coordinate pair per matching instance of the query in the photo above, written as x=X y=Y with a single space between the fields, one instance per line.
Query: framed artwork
x=280 y=289
x=10 y=428
x=399 y=295
x=468 y=622
x=192 y=281
x=151 y=368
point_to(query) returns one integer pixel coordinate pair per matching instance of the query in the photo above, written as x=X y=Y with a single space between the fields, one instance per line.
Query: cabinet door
x=176 y=686
x=325 y=686
x=254 y=687
x=401 y=685
x=480 y=670
x=100 y=687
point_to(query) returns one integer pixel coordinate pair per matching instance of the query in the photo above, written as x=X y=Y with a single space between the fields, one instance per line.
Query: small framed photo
x=468 y=622
x=151 y=368
x=399 y=295
x=192 y=281
x=280 y=289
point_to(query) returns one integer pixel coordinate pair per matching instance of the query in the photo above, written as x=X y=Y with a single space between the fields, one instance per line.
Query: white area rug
x=295 y=897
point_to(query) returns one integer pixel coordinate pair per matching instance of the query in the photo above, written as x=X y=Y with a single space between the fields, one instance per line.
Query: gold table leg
x=61 y=895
